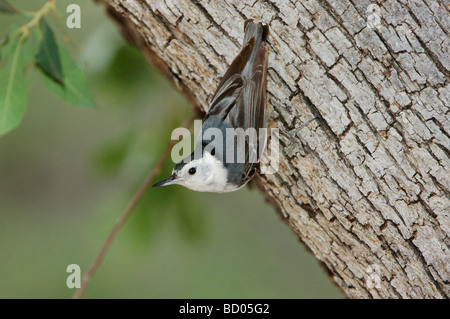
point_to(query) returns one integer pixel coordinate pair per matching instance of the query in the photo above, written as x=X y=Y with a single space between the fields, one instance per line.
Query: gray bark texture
x=365 y=185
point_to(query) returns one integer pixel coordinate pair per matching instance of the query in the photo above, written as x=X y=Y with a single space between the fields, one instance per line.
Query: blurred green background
x=66 y=174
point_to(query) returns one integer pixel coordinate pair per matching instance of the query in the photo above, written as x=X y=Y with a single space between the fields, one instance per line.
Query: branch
x=126 y=213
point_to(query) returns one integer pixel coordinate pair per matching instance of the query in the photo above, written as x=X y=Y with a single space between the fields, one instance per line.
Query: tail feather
x=259 y=32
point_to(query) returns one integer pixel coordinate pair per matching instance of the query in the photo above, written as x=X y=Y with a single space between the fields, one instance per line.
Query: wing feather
x=232 y=83
x=250 y=110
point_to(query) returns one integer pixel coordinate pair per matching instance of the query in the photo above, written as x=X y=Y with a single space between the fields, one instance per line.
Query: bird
x=238 y=105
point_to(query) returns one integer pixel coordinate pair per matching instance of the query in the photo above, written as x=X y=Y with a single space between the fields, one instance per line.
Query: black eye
x=192 y=170
x=213 y=152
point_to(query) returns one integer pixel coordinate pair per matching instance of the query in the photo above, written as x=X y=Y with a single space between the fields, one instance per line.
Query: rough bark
x=366 y=184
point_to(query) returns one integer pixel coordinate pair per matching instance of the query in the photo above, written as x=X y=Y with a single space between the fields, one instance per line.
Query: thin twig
x=49 y=6
x=127 y=212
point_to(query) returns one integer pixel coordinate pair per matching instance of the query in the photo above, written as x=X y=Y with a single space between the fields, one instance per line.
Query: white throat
x=211 y=176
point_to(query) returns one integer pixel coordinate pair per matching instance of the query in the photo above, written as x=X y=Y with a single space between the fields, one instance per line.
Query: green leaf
x=13 y=93
x=76 y=87
x=47 y=59
x=5 y=7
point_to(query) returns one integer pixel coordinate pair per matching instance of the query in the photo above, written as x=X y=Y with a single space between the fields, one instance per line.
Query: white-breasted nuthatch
x=238 y=105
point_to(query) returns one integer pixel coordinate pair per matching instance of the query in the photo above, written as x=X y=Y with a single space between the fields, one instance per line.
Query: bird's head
x=205 y=174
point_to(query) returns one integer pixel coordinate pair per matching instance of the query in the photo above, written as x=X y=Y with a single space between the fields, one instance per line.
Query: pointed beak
x=168 y=181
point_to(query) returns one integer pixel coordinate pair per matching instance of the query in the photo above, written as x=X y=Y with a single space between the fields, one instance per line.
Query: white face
x=206 y=174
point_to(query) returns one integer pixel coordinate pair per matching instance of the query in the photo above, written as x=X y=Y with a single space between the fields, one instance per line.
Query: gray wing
x=250 y=110
x=241 y=95
x=240 y=99
x=232 y=83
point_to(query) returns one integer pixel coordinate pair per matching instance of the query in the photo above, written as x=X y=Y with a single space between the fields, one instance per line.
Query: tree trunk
x=365 y=185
